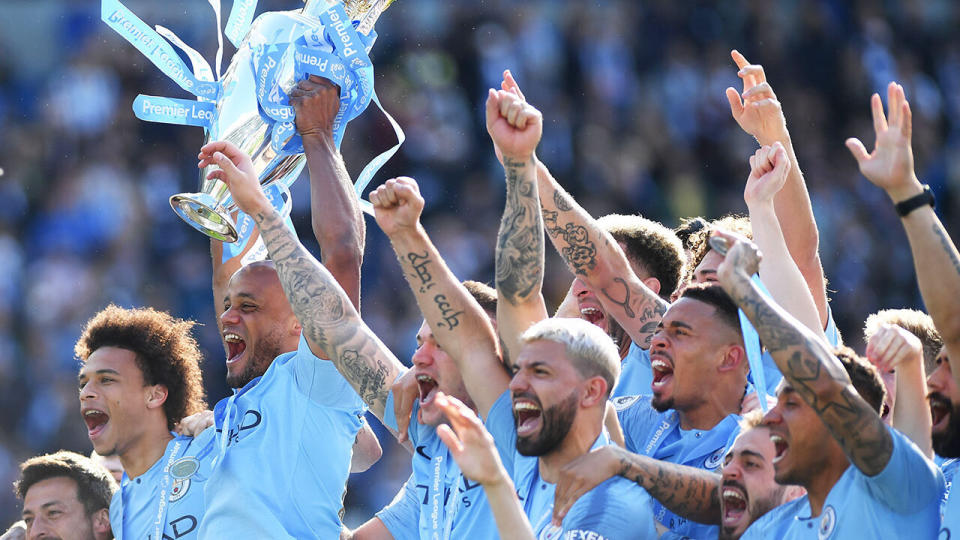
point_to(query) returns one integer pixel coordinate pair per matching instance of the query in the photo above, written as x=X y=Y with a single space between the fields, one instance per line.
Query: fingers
x=450 y=439
x=879 y=343
x=395 y=192
x=759 y=92
x=493 y=107
x=906 y=125
x=228 y=171
x=510 y=84
x=879 y=120
x=739 y=59
x=736 y=105
x=894 y=96
x=857 y=149
x=779 y=156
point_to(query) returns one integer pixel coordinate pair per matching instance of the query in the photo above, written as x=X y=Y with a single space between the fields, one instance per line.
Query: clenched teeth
x=733 y=494
x=524 y=406
x=660 y=365
x=230 y=337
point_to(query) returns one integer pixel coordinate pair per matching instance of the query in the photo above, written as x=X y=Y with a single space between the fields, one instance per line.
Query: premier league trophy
x=249 y=105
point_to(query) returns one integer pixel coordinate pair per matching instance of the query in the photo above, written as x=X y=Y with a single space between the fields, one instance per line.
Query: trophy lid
x=365 y=11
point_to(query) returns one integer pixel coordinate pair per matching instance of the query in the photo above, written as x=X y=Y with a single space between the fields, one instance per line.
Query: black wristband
x=906 y=206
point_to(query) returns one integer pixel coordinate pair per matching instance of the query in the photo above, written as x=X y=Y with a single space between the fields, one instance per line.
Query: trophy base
x=202 y=212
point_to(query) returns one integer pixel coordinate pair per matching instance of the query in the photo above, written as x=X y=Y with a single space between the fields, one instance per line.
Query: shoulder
x=615 y=501
x=775 y=520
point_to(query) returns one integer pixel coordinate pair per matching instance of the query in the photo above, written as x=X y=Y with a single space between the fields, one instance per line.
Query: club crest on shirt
x=828 y=522
x=551 y=532
x=179 y=489
x=623 y=402
x=715 y=459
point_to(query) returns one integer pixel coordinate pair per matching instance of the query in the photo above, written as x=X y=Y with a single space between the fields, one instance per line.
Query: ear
x=653 y=284
x=297 y=328
x=156 y=396
x=101 y=523
x=595 y=392
x=791 y=493
x=734 y=358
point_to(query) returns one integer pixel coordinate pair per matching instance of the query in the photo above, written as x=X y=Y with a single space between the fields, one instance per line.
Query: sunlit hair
x=95 y=485
x=864 y=376
x=751 y=420
x=650 y=245
x=697 y=242
x=589 y=348
x=484 y=294
x=916 y=322
x=165 y=352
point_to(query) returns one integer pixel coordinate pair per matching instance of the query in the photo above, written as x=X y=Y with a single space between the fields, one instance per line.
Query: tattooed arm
x=596 y=258
x=809 y=366
x=686 y=491
x=515 y=128
x=935 y=257
x=330 y=322
x=458 y=322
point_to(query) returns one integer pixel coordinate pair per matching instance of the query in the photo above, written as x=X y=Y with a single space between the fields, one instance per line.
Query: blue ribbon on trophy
x=248 y=104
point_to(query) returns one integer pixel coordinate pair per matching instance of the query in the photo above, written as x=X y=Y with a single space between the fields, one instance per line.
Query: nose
x=731 y=471
x=86 y=391
x=773 y=416
x=935 y=381
x=38 y=529
x=423 y=356
x=519 y=382
x=580 y=288
x=230 y=316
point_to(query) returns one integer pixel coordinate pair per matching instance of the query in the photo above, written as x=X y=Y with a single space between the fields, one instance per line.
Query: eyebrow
x=241 y=295
x=680 y=324
x=99 y=372
x=751 y=453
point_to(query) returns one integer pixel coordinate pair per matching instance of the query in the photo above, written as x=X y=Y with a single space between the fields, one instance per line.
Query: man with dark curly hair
x=139 y=376
x=65 y=495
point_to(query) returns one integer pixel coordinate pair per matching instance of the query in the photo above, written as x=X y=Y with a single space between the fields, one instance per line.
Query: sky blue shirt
x=283 y=463
x=658 y=435
x=949 y=506
x=903 y=501
x=616 y=509
x=181 y=474
x=437 y=498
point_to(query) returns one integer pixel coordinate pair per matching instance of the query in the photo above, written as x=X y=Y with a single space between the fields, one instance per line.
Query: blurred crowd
x=635 y=117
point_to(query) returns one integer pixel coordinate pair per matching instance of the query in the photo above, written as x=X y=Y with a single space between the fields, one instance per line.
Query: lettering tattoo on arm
x=519 y=256
x=419 y=264
x=820 y=379
x=450 y=320
x=686 y=491
x=327 y=316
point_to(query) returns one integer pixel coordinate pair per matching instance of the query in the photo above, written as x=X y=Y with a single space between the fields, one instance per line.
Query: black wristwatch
x=906 y=206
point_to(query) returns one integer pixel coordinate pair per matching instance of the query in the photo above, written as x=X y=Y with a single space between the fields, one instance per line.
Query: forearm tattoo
x=686 y=491
x=519 y=257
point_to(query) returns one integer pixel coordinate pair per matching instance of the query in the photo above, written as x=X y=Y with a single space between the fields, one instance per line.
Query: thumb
x=736 y=105
x=783 y=163
x=231 y=172
x=493 y=107
x=450 y=439
x=857 y=149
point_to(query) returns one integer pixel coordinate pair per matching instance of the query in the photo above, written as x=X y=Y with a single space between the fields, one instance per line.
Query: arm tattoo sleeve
x=686 y=491
x=820 y=379
x=327 y=315
x=519 y=257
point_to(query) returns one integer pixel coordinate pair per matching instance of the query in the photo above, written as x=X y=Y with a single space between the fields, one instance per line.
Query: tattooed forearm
x=577 y=249
x=419 y=264
x=947 y=246
x=449 y=315
x=640 y=304
x=813 y=371
x=327 y=316
x=519 y=257
x=686 y=491
x=561 y=202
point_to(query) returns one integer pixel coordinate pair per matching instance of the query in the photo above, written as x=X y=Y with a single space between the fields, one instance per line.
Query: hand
x=405 y=394
x=751 y=402
x=581 y=475
x=509 y=84
x=194 y=424
x=17 y=531
x=769 y=166
x=472 y=445
x=316 y=102
x=236 y=171
x=892 y=347
x=759 y=113
x=742 y=259
x=514 y=125
x=890 y=165
x=397 y=205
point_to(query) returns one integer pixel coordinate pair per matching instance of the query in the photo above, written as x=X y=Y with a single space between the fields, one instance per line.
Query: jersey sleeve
x=634 y=414
x=500 y=424
x=402 y=516
x=611 y=511
x=909 y=482
x=322 y=383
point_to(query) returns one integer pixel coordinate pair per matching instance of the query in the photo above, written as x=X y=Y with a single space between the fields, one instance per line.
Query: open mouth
x=594 y=316
x=662 y=373
x=235 y=346
x=939 y=413
x=885 y=411
x=527 y=415
x=428 y=389
x=780 y=447
x=734 y=504
x=96 y=422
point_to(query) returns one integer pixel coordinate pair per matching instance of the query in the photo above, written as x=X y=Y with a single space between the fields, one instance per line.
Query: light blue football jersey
x=658 y=435
x=440 y=500
x=284 y=446
x=616 y=509
x=903 y=501
x=180 y=475
x=636 y=375
x=949 y=468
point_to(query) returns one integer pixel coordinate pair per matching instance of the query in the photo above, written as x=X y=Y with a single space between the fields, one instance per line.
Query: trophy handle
x=202 y=212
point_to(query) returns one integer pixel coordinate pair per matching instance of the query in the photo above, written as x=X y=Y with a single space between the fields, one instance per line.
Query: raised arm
x=334 y=210
x=759 y=114
x=935 y=256
x=458 y=322
x=808 y=365
x=330 y=322
x=686 y=491
x=515 y=128
x=769 y=168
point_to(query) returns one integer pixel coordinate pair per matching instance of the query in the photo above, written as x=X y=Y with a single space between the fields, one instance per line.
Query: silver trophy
x=238 y=119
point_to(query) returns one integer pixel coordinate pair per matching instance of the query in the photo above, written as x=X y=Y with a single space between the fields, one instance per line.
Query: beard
x=756 y=508
x=261 y=357
x=557 y=421
x=947 y=444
